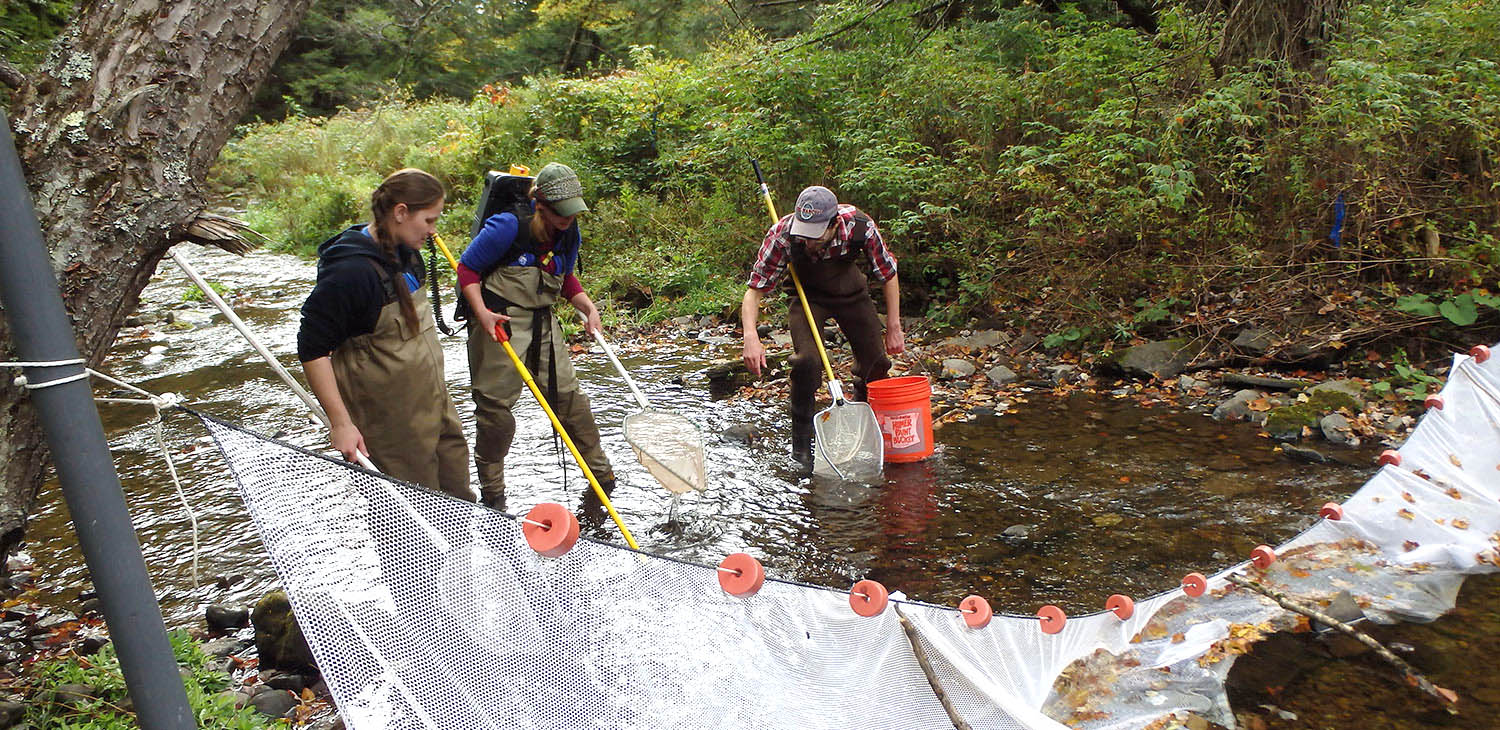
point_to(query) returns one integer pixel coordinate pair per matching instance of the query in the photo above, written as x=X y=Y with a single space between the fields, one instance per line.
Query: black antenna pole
x=41 y=333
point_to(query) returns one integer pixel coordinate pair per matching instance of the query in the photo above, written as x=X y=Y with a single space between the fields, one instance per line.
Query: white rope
x=22 y=381
x=157 y=402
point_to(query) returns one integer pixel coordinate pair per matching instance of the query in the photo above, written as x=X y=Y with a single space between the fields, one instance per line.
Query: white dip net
x=427 y=612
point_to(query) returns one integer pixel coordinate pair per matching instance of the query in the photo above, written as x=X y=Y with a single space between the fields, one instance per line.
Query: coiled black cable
x=432 y=289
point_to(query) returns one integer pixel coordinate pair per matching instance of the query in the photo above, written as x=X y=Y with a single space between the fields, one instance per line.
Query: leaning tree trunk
x=116 y=131
x=1283 y=30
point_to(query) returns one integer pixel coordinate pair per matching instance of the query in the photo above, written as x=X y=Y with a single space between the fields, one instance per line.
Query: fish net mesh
x=847 y=442
x=670 y=447
x=427 y=612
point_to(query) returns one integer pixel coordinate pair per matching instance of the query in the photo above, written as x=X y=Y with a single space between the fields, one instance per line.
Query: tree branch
x=1447 y=696
x=11 y=76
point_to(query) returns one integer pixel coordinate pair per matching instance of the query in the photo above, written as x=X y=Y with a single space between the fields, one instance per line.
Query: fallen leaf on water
x=1454 y=458
x=1461 y=523
x=1406 y=514
x=1407 y=496
x=1454 y=493
x=1411 y=545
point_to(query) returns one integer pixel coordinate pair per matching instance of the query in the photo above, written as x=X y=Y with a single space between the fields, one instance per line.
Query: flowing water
x=1048 y=501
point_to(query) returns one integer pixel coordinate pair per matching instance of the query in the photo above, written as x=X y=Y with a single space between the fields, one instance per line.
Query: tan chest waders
x=391 y=381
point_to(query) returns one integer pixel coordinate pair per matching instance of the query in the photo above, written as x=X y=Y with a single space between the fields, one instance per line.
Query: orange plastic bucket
x=903 y=408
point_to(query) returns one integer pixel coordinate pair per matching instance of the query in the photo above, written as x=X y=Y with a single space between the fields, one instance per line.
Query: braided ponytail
x=418 y=190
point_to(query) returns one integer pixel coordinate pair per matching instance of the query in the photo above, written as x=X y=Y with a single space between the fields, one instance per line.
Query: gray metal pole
x=41 y=333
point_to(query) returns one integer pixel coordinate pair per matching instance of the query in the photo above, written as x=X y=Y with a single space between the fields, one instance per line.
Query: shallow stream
x=1047 y=501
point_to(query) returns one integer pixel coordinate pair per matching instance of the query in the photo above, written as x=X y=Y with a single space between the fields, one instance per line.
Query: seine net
x=427 y=612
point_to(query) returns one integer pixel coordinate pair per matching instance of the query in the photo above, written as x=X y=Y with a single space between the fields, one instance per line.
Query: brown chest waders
x=391 y=381
x=835 y=288
x=527 y=294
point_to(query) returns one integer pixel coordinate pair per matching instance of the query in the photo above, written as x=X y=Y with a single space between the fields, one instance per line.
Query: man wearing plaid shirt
x=825 y=242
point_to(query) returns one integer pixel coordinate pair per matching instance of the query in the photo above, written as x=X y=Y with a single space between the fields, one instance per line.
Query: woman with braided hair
x=368 y=347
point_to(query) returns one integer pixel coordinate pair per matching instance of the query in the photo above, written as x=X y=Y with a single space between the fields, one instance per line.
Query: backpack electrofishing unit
x=504 y=192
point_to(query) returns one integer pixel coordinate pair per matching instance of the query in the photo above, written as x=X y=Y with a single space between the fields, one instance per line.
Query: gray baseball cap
x=815 y=207
x=557 y=185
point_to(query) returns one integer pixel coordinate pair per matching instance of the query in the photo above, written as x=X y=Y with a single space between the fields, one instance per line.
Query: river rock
x=1263 y=381
x=11 y=713
x=1254 y=341
x=1237 y=408
x=1001 y=375
x=1337 y=429
x=1163 y=359
x=977 y=340
x=278 y=638
x=273 y=702
x=223 y=618
x=740 y=433
x=222 y=647
x=1186 y=383
x=1060 y=374
x=289 y=681
x=1017 y=532
x=955 y=368
x=1349 y=387
x=1303 y=453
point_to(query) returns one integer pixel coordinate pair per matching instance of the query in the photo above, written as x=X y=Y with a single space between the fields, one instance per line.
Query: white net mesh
x=670 y=447
x=427 y=612
x=847 y=441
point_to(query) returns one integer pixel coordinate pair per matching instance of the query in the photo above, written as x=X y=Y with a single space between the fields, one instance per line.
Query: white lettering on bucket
x=902 y=430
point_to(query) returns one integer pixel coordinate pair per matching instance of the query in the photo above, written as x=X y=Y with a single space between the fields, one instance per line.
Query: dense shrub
x=1041 y=159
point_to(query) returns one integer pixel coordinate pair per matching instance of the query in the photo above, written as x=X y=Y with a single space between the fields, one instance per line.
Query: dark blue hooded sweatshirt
x=350 y=291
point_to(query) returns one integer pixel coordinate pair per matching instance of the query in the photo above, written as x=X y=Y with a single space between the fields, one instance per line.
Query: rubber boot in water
x=802 y=443
x=494 y=500
x=591 y=511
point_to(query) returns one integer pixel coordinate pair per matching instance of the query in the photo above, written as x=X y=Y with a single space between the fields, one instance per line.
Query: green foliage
x=46 y=707
x=1016 y=157
x=1409 y=381
x=1461 y=309
x=195 y=294
x=27 y=27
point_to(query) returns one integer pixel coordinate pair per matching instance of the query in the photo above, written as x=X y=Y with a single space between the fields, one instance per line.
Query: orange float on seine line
x=1263 y=556
x=1331 y=511
x=550 y=529
x=1480 y=353
x=1389 y=456
x=1194 y=584
x=1121 y=605
x=741 y=575
x=868 y=598
x=1052 y=619
x=977 y=612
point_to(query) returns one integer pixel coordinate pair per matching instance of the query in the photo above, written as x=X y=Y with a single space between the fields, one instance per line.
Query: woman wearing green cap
x=511 y=274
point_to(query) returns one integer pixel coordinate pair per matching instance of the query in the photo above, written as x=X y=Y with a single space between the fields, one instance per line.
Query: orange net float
x=1480 y=353
x=741 y=575
x=1051 y=618
x=1331 y=511
x=1263 y=556
x=1194 y=584
x=1433 y=401
x=1121 y=605
x=977 y=612
x=868 y=598
x=550 y=529
x=1389 y=456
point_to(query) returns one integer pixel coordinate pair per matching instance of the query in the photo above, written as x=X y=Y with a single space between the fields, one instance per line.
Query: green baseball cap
x=557 y=186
